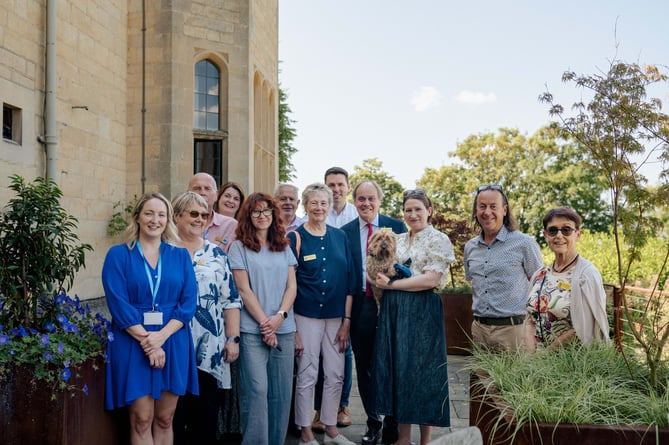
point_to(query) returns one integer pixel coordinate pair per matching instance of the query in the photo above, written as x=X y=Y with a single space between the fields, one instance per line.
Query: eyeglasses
x=484 y=187
x=566 y=231
x=266 y=212
x=195 y=214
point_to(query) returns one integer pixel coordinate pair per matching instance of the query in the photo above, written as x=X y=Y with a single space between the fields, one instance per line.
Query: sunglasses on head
x=195 y=214
x=416 y=192
x=484 y=187
x=566 y=231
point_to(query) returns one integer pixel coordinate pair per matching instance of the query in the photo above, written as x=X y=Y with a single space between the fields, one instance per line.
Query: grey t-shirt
x=268 y=274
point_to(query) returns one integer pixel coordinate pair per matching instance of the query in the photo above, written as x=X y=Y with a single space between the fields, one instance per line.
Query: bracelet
x=347 y=317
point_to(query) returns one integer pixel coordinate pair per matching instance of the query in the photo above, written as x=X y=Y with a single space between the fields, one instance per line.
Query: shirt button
x=325 y=281
x=321 y=305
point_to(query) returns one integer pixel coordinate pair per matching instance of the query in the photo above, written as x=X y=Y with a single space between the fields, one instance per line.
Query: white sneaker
x=339 y=440
x=311 y=442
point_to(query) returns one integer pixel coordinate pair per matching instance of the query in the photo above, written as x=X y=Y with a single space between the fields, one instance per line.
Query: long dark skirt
x=409 y=370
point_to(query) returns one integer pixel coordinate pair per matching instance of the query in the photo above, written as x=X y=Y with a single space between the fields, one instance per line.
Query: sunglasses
x=566 y=231
x=484 y=187
x=266 y=212
x=416 y=192
x=195 y=214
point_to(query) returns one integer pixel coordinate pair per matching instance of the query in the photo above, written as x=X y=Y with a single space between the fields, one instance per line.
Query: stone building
x=113 y=98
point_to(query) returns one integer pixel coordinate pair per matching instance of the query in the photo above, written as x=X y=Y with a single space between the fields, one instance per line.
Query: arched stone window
x=206 y=115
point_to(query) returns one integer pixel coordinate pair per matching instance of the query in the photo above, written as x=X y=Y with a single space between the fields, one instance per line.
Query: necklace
x=565 y=267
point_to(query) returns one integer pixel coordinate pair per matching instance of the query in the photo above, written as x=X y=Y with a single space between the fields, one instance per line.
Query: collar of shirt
x=501 y=236
x=363 y=224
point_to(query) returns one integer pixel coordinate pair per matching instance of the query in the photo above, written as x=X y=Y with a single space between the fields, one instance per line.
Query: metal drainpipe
x=51 y=138
x=143 y=124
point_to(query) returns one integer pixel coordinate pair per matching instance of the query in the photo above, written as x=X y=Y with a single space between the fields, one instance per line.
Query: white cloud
x=475 y=97
x=425 y=98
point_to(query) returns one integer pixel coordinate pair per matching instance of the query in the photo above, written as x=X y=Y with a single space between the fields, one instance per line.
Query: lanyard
x=159 y=267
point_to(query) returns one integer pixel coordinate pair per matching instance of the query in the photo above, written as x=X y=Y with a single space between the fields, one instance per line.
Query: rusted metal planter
x=458 y=318
x=29 y=415
x=485 y=409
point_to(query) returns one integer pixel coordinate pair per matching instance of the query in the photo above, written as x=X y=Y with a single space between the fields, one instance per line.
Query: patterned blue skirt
x=409 y=370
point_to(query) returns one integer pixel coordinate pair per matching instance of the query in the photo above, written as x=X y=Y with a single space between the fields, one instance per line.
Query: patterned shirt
x=216 y=293
x=428 y=250
x=499 y=272
x=549 y=304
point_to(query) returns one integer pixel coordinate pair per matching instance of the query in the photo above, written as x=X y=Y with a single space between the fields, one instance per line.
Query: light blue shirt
x=499 y=272
x=337 y=220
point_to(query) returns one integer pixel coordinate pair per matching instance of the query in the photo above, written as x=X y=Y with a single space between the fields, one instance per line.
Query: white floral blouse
x=428 y=250
x=217 y=293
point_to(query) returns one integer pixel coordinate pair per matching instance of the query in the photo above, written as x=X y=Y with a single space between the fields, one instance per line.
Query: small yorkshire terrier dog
x=381 y=257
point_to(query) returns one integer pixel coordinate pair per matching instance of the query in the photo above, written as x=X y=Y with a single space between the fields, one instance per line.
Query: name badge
x=153 y=318
x=310 y=257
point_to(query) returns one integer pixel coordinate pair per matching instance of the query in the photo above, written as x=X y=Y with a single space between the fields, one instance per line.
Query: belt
x=504 y=321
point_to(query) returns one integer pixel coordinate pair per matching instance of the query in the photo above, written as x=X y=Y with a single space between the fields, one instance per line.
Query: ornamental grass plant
x=573 y=385
x=41 y=328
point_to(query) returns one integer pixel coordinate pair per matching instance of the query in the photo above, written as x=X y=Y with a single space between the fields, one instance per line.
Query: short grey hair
x=316 y=187
x=281 y=185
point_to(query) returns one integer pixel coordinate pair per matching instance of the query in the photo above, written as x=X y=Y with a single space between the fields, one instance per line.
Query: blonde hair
x=183 y=200
x=131 y=234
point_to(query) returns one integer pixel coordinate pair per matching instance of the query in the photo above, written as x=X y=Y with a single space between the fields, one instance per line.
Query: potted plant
x=52 y=346
x=573 y=395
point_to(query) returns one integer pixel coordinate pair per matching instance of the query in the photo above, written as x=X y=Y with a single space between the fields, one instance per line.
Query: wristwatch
x=234 y=339
x=284 y=314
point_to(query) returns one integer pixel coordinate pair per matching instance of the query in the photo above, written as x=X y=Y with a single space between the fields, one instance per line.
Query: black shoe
x=371 y=436
x=390 y=435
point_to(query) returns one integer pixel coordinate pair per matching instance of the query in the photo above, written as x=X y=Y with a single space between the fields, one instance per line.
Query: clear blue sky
x=406 y=81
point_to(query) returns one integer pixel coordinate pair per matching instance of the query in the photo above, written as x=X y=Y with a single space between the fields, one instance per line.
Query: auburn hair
x=246 y=232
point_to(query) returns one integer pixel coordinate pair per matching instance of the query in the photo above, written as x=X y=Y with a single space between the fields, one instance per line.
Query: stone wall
x=99 y=99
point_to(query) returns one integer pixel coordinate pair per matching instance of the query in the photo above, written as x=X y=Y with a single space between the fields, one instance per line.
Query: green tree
x=537 y=172
x=621 y=128
x=372 y=169
x=286 y=136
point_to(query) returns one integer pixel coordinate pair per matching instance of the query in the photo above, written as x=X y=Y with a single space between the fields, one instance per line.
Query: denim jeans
x=265 y=379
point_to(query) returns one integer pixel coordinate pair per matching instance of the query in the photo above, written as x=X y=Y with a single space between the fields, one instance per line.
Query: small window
x=208 y=154
x=11 y=123
x=207 y=96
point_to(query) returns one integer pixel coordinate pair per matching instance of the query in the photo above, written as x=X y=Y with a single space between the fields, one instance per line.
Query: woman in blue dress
x=409 y=371
x=151 y=292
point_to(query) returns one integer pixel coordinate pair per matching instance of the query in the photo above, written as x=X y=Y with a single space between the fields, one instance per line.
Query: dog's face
x=382 y=244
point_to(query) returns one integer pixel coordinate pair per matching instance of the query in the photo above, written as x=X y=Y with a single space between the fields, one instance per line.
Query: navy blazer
x=352 y=230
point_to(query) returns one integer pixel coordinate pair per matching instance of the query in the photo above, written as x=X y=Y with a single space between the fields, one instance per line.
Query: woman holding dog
x=409 y=371
x=322 y=313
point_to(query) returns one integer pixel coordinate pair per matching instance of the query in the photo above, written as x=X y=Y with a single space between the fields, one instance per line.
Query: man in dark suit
x=367 y=197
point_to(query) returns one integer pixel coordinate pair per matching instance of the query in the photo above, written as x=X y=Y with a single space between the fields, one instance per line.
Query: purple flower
x=60 y=298
x=22 y=332
x=44 y=339
x=61 y=348
x=66 y=363
x=4 y=339
x=85 y=389
x=48 y=356
x=62 y=319
x=50 y=327
x=33 y=331
x=110 y=336
x=65 y=374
